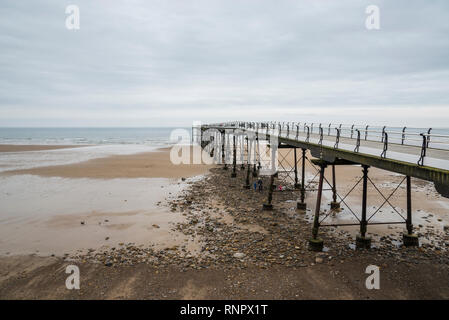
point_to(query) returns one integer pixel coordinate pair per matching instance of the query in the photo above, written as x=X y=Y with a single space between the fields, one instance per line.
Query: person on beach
x=259 y=183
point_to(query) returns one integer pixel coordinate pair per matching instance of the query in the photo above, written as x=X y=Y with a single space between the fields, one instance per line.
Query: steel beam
x=315 y=243
x=362 y=241
x=302 y=205
x=409 y=239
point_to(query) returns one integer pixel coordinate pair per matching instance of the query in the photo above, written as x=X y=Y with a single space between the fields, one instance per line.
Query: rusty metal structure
x=416 y=153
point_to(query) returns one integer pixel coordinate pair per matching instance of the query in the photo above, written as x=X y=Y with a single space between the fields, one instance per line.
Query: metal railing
x=423 y=139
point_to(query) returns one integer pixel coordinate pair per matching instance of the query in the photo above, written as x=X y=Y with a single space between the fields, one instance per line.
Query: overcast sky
x=170 y=62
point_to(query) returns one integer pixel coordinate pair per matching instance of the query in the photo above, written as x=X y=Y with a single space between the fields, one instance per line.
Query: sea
x=96 y=142
x=154 y=136
x=90 y=136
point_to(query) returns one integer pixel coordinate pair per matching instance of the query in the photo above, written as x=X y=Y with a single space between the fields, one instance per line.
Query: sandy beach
x=141 y=165
x=193 y=232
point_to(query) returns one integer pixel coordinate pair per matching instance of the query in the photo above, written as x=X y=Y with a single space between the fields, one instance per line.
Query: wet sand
x=57 y=216
x=142 y=165
x=25 y=147
x=99 y=203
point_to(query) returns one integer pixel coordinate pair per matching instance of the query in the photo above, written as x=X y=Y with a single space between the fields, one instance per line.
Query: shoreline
x=36 y=147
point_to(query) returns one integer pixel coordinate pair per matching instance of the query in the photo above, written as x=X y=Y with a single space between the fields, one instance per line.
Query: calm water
x=150 y=136
x=161 y=136
x=103 y=142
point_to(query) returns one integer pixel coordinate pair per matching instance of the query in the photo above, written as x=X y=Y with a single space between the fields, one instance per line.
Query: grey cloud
x=164 y=62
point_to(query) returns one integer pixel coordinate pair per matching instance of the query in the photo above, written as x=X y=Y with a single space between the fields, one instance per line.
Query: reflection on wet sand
x=46 y=213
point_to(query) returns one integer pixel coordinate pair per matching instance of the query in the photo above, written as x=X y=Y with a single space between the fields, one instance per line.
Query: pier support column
x=212 y=147
x=315 y=243
x=242 y=166
x=302 y=205
x=269 y=205
x=201 y=138
x=255 y=172
x=247 y=183
x=234 y=160
x=297 y=185
x=362 y=241
x=334 y=204
x=410 y=239
x=223 y=154
x=259 y=166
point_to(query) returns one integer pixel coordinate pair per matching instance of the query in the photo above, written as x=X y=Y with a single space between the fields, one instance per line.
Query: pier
x=417 y=153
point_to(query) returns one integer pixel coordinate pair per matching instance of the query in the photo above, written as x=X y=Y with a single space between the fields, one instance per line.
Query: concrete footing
x=335 y=205
x=410 y=240
x=362 y=242
x=267 y=206
x=301 y=206
x=316 y=244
